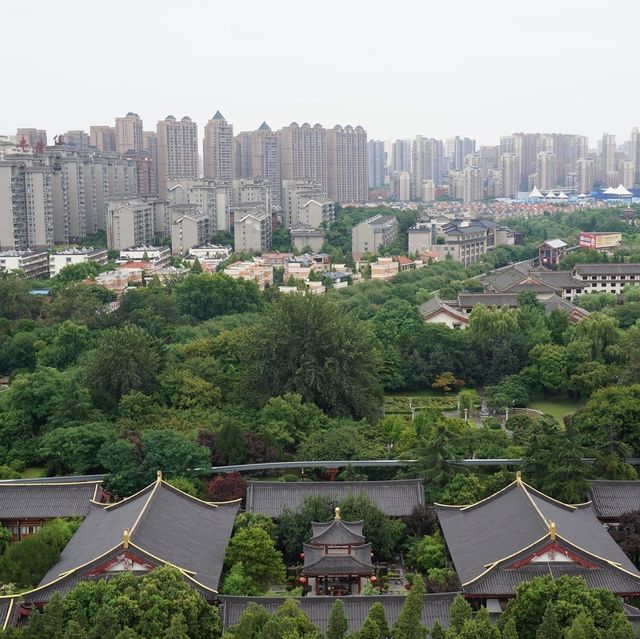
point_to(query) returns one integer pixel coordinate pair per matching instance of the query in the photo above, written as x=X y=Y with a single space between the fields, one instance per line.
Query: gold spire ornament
x=552 y=530
x=337 y=512
x=159 y=476
x=125 y=538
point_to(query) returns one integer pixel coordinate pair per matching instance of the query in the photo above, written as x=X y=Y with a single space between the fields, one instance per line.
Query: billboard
x=599 y=240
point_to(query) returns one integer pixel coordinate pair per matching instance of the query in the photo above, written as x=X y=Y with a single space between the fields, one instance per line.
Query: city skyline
x=467 y=70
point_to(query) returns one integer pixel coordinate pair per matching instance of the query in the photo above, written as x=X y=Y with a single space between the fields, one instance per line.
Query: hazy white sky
x=399 y=68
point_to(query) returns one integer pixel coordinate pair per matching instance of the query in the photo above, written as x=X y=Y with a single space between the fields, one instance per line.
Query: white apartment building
x=190 y=227
x=347 y=164
x=217 y=148
x=370 y=235
x=34 y=264
x=57 y=261
x=159 y=255
x=255 y=271
x=177 y=151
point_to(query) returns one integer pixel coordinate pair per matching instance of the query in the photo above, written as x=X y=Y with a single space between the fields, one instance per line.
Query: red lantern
x=301 y=555
x=303 y=580
x=373 y=579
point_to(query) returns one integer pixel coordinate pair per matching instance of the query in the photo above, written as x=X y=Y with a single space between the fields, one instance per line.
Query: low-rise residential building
x=305 y=235
x=190 y=227
x=157 y=255
x=300 y=270
x=252 y=232
x=210 y=251
x=255 y=271
x=384 y=269
x=119 y=279
x=370 y=235
x=338 y=279
x=34 y=264
x=129 y=223
x=60 y=259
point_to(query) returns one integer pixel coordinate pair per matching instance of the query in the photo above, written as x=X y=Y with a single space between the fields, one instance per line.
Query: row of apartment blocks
x=42 y=264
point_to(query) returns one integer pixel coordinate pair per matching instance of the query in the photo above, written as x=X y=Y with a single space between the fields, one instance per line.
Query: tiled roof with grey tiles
x=613 y=498
x=517 y=519
x=337 y=532
x=46 y=500
x=436 y=607
x=395 y=498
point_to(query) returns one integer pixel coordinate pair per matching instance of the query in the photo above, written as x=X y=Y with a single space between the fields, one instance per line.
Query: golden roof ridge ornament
x=552 y=530
x=337 y=511
x=159 y=476
x=519 y=478
x=125 y=538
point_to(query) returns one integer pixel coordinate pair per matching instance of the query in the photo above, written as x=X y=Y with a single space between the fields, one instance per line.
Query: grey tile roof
x=469 y=300
x=607 y=269
x=395 y=498
x=338 y=565
x=436 y=607
x=559 y=279
x=46 y=500
x=163 y=522
x=337 y=531
x=516 y=519
x=613 y=498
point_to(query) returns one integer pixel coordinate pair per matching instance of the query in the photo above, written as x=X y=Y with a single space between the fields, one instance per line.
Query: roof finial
x=125 y=538
x=518 y=478
x=552 y=530
x=337 y=512
x=159 y=476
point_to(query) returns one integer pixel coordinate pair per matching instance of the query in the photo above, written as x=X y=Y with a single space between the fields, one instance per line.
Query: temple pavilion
x=519 y=533
x=337 y=558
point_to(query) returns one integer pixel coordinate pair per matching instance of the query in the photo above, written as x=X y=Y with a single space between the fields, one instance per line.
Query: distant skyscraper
x=427 y=163
x=377 y=163
x=401 y=156
x=242 y=155
x=525 y=146
x=150 y=147
x=303 y=153
x=217 y=148
x=510 y=168
x=627 y=174
x=473 y=185
x=103 y=138
x=634 y=153
x=347 y=164
x=265 y=159
x=457 y=150
x=546 y=171
x=32 y=137
x=177 y=151
x=129 y=133
x=77 y=139
x=608 y=160
x=586 y=175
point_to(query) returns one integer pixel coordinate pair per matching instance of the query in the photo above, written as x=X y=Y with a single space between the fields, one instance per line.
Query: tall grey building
x=217 y=148
x=265 y=159
x=608 y=160
x=377 y=164
x=32 y=137
x=586 y=175
x=103 y=138
x=427 y=163
x=473 y=184
x=177 y=151
x=242 y=155
x=401 y=156
x=150 y=147
x=26 y=221
x=457 y=150
x=129 y=133
x=546 y=171
x=303 y=153
x=77 y=139
x=347 y=164
x=634 y=153
x=510 y=170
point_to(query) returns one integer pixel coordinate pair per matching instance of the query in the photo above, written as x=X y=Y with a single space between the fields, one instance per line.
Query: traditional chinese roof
x=395 y=498
x=47 y=500
x=519 y=533
x=613 y=498
x=337 y=531
x=436 y=607
x=162 y=521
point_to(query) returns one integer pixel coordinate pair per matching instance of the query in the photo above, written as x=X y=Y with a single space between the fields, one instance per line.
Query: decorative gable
x=552 y=552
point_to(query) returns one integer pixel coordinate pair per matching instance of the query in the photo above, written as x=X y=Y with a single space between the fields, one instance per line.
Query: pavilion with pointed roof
x=337 y=558
x=160 y=525
x=519 y=533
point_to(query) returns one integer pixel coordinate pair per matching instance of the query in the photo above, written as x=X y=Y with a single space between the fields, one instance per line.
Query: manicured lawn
x=33 y=472
x=559 y=408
